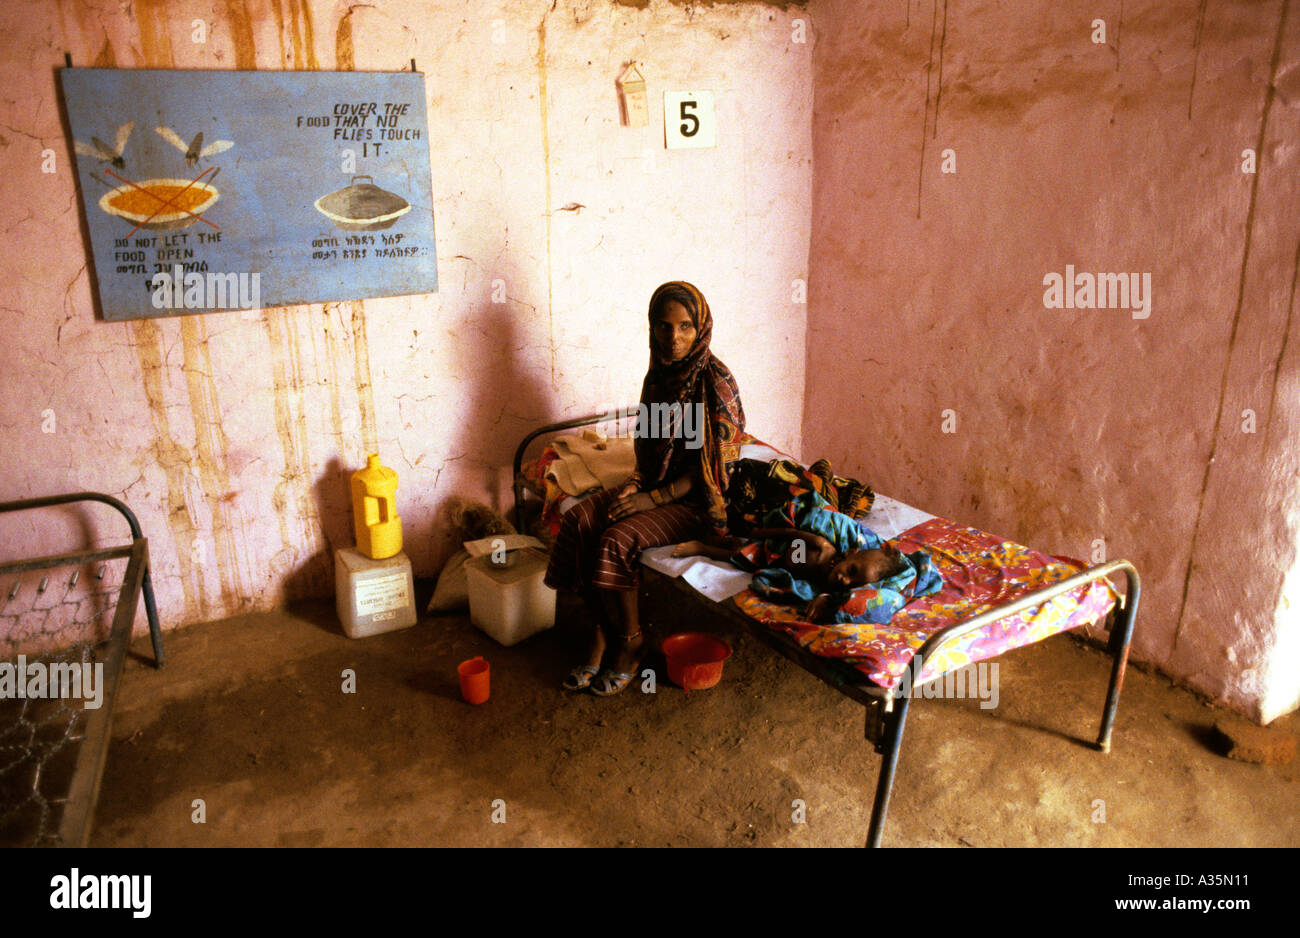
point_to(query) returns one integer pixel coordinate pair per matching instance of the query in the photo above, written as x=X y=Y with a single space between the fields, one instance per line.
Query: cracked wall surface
x=1169 y=440
x=232 y=435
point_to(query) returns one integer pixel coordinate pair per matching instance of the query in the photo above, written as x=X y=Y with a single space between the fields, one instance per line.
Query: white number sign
x=688 y=120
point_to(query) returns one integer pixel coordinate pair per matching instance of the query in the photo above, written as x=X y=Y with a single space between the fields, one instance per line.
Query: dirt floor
x=249 y=717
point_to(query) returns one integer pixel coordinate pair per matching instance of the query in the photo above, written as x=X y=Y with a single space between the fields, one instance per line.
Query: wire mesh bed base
x=56 y=706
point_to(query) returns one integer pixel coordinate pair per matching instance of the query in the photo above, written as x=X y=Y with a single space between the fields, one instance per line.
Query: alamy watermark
x=58 y=680
x=978 y=681
x=79 y=890
x=664 y=421
x=205 y=290
x=1086 y=290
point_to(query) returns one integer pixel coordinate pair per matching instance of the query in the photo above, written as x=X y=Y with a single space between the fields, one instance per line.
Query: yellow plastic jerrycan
x=374 y=510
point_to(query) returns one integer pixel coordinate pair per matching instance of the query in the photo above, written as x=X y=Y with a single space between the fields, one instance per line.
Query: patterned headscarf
x=701 y=378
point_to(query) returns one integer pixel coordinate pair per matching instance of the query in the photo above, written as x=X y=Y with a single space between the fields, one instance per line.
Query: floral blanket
x=979 y=572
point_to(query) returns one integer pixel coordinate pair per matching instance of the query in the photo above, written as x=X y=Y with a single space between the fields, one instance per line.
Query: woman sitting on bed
x=674 y=495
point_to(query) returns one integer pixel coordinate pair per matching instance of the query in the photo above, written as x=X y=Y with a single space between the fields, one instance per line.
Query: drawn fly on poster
x=207 y=191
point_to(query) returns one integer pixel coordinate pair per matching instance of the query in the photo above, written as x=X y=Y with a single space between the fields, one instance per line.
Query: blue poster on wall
x=207 y=190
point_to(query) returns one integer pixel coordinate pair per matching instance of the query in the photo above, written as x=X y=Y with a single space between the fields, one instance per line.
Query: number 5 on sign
x=688 y=120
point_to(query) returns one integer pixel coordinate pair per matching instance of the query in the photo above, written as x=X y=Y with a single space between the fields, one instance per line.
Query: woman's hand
x=630 y=488
x=627 y=505
x=689 y=549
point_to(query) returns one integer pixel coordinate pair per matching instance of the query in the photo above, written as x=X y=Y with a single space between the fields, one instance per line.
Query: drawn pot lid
x=362 y=203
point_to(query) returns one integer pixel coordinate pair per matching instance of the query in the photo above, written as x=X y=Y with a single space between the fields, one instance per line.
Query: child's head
x=861 y=567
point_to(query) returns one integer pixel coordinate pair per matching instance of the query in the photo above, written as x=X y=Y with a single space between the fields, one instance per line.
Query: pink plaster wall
x=232 y=435
x=1074 y=426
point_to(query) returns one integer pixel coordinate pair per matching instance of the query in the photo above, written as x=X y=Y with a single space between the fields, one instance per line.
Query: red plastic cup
x=474 y=679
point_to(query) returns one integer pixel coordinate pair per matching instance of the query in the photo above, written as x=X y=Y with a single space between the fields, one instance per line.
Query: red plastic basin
x=695 y=659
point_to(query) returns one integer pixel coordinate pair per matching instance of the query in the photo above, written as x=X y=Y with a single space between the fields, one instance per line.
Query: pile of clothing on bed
x=572 y=466
x=781 y=494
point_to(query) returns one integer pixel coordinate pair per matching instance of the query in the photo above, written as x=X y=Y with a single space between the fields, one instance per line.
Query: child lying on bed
x=837 y=569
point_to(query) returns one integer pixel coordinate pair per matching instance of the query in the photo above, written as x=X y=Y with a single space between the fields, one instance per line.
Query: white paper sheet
x=715 y=579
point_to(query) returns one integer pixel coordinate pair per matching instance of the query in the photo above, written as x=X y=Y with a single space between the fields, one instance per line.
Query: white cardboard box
x=510 y=603
x=373 y=596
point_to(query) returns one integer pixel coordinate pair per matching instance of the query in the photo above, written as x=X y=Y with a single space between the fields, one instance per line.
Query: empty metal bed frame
x=50 y=743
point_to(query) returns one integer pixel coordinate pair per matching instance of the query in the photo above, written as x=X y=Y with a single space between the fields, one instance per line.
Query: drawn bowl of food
x=362 y=206
x=160 y=203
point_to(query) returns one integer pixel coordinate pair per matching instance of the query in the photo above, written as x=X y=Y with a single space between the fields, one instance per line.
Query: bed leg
x=894 y=722
x=1120 y=639
x=151 y=612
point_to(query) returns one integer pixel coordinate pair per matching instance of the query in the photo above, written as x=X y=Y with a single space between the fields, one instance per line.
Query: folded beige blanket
x=580 y=467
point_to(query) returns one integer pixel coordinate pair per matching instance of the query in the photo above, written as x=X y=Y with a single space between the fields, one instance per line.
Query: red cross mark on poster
x=165 y=204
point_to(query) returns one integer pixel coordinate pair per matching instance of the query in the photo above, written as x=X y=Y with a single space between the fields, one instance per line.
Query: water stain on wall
x=290 y=418
x=211 y=448
x=1269 y=93
x=174 y=461
x=241 y=34
x=300 y=35
x=365 y=390
x=106 y=58
x=1196 y=55
x=1281 y=351
x=331 y=324
x=546 y=172
x=929 y=70
x=343 y=47
x=155 y=44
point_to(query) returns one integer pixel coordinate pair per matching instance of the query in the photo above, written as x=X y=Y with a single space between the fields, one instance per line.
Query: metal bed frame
x=886 y=710
x=83 y=789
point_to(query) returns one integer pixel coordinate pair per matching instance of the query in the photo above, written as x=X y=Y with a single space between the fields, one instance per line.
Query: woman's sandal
x=617 y=681
x=580 y=678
